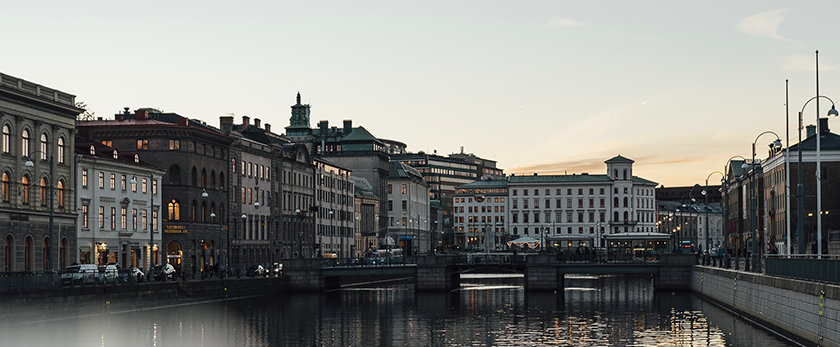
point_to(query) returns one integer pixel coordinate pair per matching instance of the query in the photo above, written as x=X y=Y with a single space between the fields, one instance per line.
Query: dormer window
x=116 y=155
x=136 y=158
x=92 y=150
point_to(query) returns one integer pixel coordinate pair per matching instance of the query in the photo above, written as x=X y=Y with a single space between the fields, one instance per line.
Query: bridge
x=442 y=272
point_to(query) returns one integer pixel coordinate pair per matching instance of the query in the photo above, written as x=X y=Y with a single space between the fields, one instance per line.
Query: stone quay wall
x=802 y=310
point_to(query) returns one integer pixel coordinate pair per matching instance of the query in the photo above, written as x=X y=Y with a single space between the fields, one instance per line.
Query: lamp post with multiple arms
x=151 y=218
x=705 y=193
x=775 y=147
x=800 y=223
x=30 y=164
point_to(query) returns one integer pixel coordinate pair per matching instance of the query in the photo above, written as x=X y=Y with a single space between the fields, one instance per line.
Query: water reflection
x=486 y=311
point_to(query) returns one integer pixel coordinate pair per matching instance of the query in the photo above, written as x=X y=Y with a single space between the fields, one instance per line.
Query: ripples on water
x=486 y=311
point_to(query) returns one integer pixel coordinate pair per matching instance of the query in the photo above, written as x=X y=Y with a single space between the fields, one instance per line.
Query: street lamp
x=705 y=193
x=151 y=218
x=799 y=190
x=30 y=164
x=775 y=147
x=221 y=228
x=726 y=168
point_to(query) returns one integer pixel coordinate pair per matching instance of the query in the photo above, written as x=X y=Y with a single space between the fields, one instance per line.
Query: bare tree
x=87 y=114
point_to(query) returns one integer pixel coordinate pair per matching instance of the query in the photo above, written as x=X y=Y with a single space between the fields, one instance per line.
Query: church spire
x=298 y=98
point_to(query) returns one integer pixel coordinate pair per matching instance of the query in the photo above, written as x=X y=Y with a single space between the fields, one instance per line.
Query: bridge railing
x=367 y=262
x=23 y=280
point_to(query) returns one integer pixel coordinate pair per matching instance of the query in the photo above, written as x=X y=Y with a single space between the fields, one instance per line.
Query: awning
x=525 y=241
x=638 y=236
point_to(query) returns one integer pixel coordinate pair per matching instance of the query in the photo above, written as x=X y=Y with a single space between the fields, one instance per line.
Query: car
x=256 y=270
x=80 y=274
x=134 y=275
x=108 y=274
x=165 y=272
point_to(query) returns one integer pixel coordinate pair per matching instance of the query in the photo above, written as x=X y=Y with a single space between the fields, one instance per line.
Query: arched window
x=45 y=252
x=626 y=216
x=625 y=201
x=192 y=211
x=60 y=194
x=24 y=143
x=92 y=150
x=203 y=211
x=625 y=174
x=7 y=135
x=213 y=212
x=44 y=194
x=116 y=154
x=194 y=177
x=221 y=179
x=28 y=253
x=44 y=146
x=615 y=202
x=174 y=174
x=615 y=174
x=10 y=250
x=203 y=178
x=615 y=216
x=233 y=163
x=61 y=149
x=24 y=189
x=5 y=185
x=213 y=179
x=174 y=210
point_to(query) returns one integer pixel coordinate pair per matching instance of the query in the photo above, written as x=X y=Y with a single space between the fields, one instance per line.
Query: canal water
x=486 y=311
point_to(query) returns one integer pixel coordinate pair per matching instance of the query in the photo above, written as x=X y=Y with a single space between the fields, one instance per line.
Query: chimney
x=267 y=127
x=257 y=122
x=536 y=174
x=225 y=122
x=348 y=126
x=141 y=114
x=810 y=130
x=323 y=125
x=824 y=126
x=245 y=122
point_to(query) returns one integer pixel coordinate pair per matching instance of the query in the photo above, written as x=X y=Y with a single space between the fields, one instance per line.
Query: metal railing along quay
x=825 y=268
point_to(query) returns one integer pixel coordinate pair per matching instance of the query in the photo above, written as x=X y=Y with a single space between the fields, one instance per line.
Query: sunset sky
x=539 y=86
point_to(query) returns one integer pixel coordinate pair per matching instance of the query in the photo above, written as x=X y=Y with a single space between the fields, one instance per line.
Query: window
x=405 y=205
x=154 y=220
x=7 y=135
x=404 y=189
x=85 y=216
x=44 y=194
x=24 y=143
x=122 y=182
x=60 y=194
x=116 y=154
x=101 y=180
x=233 y=165
x=154 y=187
x=142 y=144
x=124 y=218
x=108 y=143
x=61 y=150
x=5 y=186
x=113 y=218
x=84 y=178
x=113 y=181
x=134 y=218
x=144 y=219
x=134 y=184
x=143 y=185
x=44 y=146
x=174 y=210
x=101 y=217
x=174 y=145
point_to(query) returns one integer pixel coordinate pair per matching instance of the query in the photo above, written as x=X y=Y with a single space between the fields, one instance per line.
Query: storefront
x=639 y=245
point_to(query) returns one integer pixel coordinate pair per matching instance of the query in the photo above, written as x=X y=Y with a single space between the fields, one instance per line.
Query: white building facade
x=119 y=208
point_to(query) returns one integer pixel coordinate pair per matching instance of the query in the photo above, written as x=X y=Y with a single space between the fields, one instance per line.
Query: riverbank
x=802 y=310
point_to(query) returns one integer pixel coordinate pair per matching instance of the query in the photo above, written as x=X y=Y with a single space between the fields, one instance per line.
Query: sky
x=538 y=86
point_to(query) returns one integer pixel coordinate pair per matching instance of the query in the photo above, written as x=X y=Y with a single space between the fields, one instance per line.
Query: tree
x=87 y=114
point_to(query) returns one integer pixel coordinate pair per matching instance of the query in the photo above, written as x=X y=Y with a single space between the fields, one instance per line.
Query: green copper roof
x=488 y=184
x=619 y=159
x=359 y=134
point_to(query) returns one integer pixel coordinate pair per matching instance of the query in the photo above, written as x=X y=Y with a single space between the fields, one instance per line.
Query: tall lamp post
x=726 y=168
x=151 y=217
x=30 y=164
x=221 y=227
x=800 y=223
x=775 y=147
x=705 y=193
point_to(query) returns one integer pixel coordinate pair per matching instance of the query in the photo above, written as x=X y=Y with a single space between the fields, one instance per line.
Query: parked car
x=256 y=270
x=165 y=272
x=108 y=274
x=134 y=275
x=82 y=274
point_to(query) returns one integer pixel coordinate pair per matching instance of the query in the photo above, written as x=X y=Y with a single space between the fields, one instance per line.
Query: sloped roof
x=619 y=159
x=828 y=141
x=359 y=134
x=484 y=184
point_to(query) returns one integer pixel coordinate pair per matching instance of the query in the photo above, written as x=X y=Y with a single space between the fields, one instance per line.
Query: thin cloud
x=563 y=23
x=764 y=25
x=805 y=63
